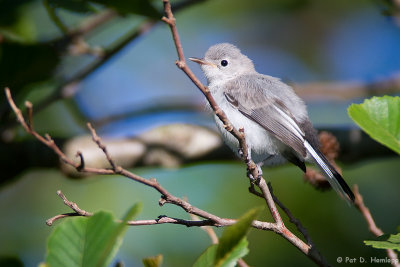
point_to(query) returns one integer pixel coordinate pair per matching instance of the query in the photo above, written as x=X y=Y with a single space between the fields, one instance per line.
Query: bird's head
x=223 y=62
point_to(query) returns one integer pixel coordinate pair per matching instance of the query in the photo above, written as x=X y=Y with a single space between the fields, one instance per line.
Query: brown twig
x=280 y=228
x=166 y=197
x=160 y=220
x=77 y=211
x=97 y=140
x=375 y=230
x=210 y=231
x=292 y=219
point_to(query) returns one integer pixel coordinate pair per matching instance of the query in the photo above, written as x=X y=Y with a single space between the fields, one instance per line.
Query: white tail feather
x=327 y=171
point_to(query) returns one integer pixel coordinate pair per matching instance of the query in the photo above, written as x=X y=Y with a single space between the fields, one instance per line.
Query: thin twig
x=166 y=197
x=72 y=205
x=210 y=231
x=97 y=140
x=29 y=109
x=373 y=228
x=292 y=219
x=162 y=219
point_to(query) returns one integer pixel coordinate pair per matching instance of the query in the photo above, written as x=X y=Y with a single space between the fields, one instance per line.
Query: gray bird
x=274 y=118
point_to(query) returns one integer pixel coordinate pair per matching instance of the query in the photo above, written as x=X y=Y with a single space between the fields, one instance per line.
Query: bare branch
x=162 y=219
x=210 y=231
x=166 y=197
x=292 y=219
x=77 y=211
x=73 y=205
x=97 y=140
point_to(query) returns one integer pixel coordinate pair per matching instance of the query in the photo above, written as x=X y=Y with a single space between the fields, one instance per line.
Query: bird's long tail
x=334 y=178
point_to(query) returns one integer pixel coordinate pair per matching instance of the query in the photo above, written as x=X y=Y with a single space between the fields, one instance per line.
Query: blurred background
x=113 y=66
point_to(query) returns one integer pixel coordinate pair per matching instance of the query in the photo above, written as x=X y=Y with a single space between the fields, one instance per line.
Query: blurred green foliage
x=9 y=14
x=24 y=63
x=140 y=7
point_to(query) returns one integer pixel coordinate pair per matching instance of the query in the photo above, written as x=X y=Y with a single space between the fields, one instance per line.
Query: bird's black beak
x=202 y=62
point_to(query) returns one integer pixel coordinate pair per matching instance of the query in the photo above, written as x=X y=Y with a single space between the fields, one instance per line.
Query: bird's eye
x=224 y=63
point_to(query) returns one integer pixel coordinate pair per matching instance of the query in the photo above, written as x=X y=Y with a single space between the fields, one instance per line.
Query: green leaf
x=227 y=254
x=232 y=244
x=155 y=261
x=380 y=118
x=385 y=242
x=207 y=258
x=90 y=241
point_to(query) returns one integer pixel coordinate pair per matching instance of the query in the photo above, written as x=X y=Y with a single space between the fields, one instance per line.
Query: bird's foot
x=240 y=152
x=255 y=180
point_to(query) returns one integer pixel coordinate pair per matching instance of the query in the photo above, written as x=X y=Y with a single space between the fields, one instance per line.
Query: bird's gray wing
x=251 y=99
x=255 y=97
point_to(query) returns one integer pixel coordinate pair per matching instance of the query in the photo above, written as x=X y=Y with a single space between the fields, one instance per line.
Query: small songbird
x=274 y=118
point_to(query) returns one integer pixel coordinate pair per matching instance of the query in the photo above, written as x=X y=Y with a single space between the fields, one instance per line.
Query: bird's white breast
x=262 y=144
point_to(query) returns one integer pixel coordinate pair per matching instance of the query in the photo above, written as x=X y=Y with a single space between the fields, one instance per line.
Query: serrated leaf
x=155 y=261
x=232 y=244
x=380 y=118
x=385 y=242
x=84 y=241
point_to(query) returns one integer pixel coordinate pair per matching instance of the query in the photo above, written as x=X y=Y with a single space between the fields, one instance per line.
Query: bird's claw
x=254 y=180
x=240 y=152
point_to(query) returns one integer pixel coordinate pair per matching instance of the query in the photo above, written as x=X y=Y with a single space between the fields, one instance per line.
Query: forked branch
x=166 y=197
